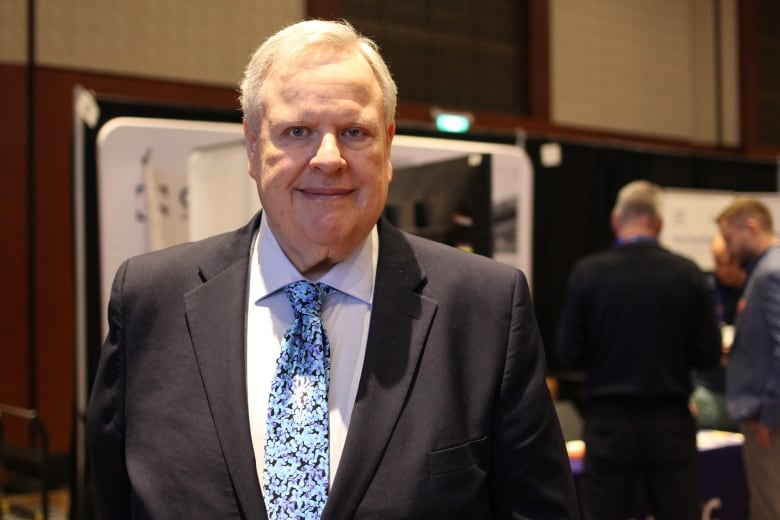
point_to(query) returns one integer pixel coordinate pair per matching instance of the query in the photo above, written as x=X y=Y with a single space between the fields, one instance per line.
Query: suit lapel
x=216 y=313
x=400 y=320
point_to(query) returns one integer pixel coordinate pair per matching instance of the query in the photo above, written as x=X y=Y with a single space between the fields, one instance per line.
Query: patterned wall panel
x=460 y=54
x=198 y=41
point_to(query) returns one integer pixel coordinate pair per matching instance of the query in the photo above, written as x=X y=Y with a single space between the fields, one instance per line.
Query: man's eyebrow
x=289 y=122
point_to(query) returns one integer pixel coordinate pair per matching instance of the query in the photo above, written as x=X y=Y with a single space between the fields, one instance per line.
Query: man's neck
x=628 y=233
x=765 y=244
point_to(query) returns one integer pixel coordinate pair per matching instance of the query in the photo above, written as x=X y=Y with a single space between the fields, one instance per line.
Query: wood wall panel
x=768 y=73
x=13 y=238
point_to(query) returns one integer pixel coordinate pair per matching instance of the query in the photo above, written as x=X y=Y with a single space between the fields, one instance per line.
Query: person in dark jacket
x=637 y=319
x=437 y=405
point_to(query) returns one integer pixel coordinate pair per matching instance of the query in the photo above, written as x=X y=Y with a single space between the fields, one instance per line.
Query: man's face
x=738 y=238
x=321 y=156
x=728 y=269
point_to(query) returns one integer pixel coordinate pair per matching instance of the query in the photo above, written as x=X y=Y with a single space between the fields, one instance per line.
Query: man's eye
x=354 y=132
x=297 y=131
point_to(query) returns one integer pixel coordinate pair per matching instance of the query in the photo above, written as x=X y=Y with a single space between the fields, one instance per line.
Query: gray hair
x=638 y=198
x=310 y=36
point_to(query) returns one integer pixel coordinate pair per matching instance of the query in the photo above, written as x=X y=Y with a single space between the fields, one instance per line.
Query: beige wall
x=644 y=67
x=200 y=41
x=13 y=31
x=729 y=102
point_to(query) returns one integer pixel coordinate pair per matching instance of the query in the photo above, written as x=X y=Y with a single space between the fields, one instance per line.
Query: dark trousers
x=648 y=443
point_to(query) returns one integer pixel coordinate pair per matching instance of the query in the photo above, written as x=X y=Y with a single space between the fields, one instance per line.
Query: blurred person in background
x=753 y=369
x=708 y=402
x=637 y=319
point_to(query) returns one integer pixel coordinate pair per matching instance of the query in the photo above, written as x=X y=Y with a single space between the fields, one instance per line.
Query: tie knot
x=306 y=297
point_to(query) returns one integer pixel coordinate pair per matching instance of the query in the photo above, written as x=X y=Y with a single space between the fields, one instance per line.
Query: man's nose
x=327 y=157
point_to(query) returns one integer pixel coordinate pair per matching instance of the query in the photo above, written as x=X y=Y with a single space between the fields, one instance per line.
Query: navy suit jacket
x=753 y=370
x=452 y=418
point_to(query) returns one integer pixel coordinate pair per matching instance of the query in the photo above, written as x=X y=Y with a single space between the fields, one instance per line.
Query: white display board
x=690 y=220
x=142 y=185
x=222 y=195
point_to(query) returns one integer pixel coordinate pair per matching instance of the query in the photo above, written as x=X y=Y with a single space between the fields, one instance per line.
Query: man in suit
x=437 y=402
x=637 y=319
x=753 y=369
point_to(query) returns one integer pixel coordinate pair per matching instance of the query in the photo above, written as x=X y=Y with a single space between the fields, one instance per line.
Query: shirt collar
x=634 y=239
x=273 y=270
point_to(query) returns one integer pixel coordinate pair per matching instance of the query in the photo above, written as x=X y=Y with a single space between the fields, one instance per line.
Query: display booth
x=147 y=176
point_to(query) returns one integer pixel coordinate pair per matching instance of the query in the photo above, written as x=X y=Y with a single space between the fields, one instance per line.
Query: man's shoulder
x=683 y=261
x=636 y=256
x=444 y=265
x=767 y=270
x=603 y=258
x=213 y=253
x=771 y=260
x=187 y=252
x=432 y=250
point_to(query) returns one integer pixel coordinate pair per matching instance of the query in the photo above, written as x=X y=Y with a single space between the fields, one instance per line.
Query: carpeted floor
x=17 y=507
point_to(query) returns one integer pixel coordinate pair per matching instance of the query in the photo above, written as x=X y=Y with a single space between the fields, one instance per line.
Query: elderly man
x=319 y=363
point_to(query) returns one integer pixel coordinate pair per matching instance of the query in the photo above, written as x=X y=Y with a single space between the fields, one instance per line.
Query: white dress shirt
x=345 y=315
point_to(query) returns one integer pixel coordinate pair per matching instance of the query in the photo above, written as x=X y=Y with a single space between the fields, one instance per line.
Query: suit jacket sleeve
x=105 y=417
x=167 y=423
x=533 y=478
x=770 y=406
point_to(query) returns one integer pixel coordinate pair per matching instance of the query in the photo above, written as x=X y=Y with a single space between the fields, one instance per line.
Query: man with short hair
x=637 y=319
x=753 y=369
x=318 y=362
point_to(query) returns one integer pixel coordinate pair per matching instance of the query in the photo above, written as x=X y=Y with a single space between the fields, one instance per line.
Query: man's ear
x=659 y=225
x=250 y=140
x=614 y=222
x=752 y=226
x=390 y=135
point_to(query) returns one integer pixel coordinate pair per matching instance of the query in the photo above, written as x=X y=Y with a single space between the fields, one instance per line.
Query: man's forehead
x=314 y=57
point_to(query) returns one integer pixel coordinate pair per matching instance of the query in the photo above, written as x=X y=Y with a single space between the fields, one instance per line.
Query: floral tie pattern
x=296 y=448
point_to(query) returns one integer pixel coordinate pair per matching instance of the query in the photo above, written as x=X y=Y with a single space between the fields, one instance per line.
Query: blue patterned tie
x=296 y=446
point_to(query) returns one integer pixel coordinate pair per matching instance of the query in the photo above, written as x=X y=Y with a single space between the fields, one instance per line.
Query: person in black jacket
x=637 y=319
